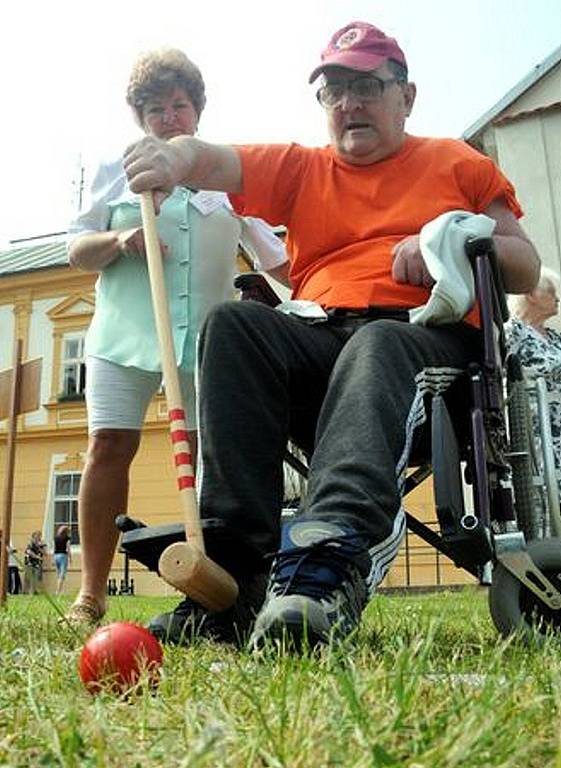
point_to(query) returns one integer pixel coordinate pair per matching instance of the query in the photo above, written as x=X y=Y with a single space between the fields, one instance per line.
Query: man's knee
x=229 y=314
x=380 y=339
x=385 y=332
x=233 y=325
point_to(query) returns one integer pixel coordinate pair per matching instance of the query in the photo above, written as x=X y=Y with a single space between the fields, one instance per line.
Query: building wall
x=153 y=495
x=7 y=335
x=524 y=139
x=528 y=152
x=40 y=345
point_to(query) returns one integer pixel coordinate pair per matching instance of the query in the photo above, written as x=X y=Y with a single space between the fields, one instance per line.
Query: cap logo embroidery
x=349 y=38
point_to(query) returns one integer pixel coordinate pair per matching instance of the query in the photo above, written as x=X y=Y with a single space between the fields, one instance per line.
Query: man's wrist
x=182 y=165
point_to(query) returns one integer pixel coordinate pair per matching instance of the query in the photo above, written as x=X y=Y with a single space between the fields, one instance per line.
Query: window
x=66 y=503
x=73 y=365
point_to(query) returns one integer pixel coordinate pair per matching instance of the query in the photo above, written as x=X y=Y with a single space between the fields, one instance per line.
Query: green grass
x=426 y=683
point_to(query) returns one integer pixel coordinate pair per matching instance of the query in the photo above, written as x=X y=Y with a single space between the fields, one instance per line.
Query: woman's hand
x=96 y=250
x=131 y=243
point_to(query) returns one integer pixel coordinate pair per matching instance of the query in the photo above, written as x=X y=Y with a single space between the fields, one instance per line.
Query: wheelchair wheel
x=521 y=445
x=516 y=608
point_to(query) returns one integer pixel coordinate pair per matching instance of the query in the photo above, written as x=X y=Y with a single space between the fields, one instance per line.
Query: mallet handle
x=178 y=428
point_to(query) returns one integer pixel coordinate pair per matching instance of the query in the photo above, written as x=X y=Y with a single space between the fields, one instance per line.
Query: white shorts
x=117 y=397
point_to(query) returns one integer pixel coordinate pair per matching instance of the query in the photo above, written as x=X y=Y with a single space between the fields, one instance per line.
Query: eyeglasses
x=155 y=111
x=364 y=88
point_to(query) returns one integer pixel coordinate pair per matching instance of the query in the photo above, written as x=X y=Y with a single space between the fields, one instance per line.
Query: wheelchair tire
x=521 y=437
x=515 y=608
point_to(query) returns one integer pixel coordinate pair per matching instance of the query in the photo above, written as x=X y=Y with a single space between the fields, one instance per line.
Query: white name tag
x=207 y=202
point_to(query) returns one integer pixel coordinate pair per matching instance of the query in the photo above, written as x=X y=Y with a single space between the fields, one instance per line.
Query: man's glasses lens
x=363 y=88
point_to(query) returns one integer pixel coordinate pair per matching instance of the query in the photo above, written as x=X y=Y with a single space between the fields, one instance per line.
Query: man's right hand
x=154 y=164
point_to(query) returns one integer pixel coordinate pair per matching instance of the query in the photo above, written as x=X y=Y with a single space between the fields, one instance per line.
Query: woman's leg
x=12 y=580
x=117 y=399
x=60 y=565
x=103 y=495
x=34 y=575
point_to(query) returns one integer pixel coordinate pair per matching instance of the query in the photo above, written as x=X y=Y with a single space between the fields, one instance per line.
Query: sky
x=65 y=67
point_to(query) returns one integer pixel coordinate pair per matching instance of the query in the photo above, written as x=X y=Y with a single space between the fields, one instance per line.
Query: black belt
x=368 y=313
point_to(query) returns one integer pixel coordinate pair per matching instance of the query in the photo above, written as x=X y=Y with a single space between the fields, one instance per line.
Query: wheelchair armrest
x=254 y=286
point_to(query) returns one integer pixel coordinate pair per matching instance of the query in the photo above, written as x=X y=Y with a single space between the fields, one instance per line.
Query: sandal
x=84 y=612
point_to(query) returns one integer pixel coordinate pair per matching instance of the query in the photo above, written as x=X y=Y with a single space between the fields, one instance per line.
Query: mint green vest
x=198 y=268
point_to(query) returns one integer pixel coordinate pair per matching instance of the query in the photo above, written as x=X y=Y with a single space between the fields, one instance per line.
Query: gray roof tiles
x=29 y=256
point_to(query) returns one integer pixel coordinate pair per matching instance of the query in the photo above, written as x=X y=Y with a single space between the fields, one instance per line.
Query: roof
x=33 y=254
x=521 y=87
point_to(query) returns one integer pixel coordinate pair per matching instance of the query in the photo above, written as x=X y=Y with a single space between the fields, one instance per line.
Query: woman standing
x=33 y=559
x=62 y=555
x=200 y=236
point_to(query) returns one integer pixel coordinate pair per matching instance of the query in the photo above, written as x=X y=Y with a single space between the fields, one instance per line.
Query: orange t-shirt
x=343 y=220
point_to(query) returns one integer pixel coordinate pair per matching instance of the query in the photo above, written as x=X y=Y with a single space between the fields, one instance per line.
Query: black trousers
x=353 y=391
x=14 y=580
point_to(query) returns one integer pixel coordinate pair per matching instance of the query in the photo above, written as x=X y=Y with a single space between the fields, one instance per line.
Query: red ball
x=116 y=655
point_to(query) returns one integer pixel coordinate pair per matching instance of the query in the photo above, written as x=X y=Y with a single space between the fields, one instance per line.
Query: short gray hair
x=518 y=302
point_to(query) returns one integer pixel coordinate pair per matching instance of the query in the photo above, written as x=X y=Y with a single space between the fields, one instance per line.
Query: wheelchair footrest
x=467 y=539
x=223 y=544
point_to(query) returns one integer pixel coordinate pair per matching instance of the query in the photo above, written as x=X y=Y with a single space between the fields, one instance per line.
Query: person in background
x=33 y=560
x=62 y=555
x=350 y=380
x=200 y=234
x=538 y=346
x=14 y=578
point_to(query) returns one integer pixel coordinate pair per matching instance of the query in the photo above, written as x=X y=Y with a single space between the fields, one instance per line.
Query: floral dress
x=542 y=354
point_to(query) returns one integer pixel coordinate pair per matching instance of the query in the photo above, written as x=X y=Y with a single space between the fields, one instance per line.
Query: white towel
x=308 y=310
x=442 y=245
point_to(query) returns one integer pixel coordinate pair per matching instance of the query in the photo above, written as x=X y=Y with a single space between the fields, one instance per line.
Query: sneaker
x=317 y=586
x=190 y=620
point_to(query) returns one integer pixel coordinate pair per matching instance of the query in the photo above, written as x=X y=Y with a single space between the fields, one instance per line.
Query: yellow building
x=49 y=306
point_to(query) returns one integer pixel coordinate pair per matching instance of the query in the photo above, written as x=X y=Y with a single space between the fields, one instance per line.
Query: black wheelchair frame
x=498 y=541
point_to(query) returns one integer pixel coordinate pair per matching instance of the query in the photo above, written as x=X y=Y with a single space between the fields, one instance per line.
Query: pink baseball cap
x=359 y=46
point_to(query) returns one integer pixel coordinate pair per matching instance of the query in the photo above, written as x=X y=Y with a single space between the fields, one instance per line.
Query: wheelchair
x=508 y=535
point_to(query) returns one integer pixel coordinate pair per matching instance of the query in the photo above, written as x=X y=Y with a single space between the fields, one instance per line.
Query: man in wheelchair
x=342 y=371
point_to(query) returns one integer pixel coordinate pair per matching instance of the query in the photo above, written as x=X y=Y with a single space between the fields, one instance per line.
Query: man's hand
x=408 y=263
x=154 y=164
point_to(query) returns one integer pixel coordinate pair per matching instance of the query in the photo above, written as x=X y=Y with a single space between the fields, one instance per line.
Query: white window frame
x=73 y=499
x=78 y=362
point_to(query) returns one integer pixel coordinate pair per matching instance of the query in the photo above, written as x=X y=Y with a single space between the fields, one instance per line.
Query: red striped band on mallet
x=181 y=449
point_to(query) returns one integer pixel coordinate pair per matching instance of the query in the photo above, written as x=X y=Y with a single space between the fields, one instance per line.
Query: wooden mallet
x=184 y=565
